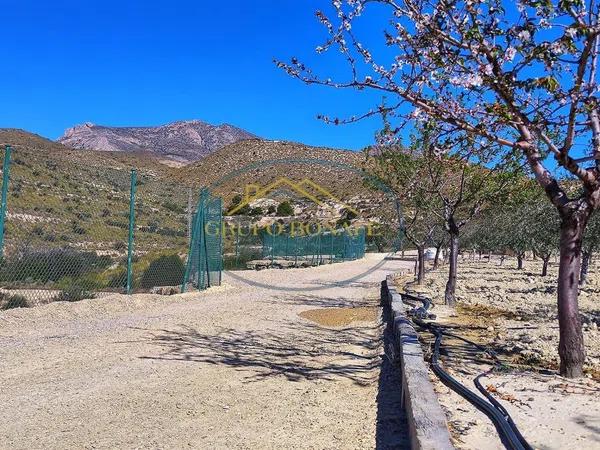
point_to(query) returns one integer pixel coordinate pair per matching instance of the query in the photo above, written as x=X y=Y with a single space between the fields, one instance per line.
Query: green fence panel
x=314 y=249
x=205 y=261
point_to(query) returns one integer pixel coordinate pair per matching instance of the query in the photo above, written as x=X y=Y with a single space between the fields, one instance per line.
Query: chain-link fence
x=74 y=230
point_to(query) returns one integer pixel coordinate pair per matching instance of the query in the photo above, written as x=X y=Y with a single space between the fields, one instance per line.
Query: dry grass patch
x=339 y=317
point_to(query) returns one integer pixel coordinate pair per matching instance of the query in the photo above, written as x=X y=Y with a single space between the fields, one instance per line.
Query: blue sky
x=148 y=63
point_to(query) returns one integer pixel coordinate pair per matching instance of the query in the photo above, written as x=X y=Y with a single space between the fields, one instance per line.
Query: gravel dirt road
x=234 y=367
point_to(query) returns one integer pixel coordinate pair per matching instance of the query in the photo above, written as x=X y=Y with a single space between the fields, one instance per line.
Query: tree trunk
x=570 y=347
x=546 y=260
x=585 y=265
x=449 y=295
x=421 y=264
x=438 y=248
x=520 y=261
x=502 y=259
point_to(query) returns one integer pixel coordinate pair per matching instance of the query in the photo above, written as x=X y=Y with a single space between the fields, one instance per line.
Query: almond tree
x=520 y=223
x=461 y=183
x=542 y=226
x=525 y=79
x=403 y=171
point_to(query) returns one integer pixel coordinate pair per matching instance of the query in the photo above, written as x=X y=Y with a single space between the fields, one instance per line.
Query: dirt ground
x=514 y=313
x=233 y=367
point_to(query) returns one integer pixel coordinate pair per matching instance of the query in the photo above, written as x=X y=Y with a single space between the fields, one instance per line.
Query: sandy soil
x=233 y=367
x=514 y=313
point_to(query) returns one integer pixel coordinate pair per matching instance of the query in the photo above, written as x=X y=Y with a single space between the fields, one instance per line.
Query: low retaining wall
x=427 y=425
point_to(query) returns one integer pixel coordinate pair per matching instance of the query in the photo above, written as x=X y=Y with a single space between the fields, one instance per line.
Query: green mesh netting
x=318 y=248
x=205 y=262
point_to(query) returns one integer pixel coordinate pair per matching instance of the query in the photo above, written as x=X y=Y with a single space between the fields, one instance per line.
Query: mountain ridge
x=184 y=141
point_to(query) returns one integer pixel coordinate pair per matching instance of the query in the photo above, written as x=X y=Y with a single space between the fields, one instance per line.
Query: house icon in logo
x=306 y=188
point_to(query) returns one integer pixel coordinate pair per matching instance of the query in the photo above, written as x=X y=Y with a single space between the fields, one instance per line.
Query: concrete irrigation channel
x=289 y=358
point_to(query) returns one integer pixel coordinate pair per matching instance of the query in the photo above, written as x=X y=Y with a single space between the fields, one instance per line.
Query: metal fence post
x=221 y=243
x=189 y=215
x=131 y=228
x=331 y=250
x=272 y=244
x=237 y=245
x=5 y=179
x=320 y=260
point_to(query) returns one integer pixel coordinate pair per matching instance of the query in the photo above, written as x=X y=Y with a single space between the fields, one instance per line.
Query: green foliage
x=117 y=278
x=74 y=293
x=174 y=207
x=285 y=209
x=13 y=301
x=524 y=222
x=347 y=217
x=167 y=270
x=235 y=201
x=43 y=266
x=256 y=212
x=591 y=240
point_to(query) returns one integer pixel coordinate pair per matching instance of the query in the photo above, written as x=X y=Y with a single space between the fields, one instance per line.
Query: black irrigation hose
x=509 y=433
x=499 y=407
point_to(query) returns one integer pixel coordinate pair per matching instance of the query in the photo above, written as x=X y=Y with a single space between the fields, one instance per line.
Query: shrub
x=88 y=281
x=235 y=201
x=118 y=279
x=347 y=217
x=74 y=293
x=14 y=301
x=258 y=211
x=285 y=209
x=174 y=207
x=50 y=237
x=120 y=245
x=38 y=230
x=51 y=265
x=167 y=270
x=77 y=229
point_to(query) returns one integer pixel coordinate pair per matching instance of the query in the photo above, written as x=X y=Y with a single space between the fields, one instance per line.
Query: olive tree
x=520 y=224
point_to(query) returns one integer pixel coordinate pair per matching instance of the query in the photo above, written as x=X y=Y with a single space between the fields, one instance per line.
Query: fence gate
x=205 y=261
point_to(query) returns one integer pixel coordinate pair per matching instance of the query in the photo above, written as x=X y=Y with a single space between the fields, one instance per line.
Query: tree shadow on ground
x=299 y=351
x=296 y=351
x=591 y=423
x=317 y=301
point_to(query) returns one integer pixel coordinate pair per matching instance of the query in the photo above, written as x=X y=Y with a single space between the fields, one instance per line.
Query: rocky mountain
x=183 y=141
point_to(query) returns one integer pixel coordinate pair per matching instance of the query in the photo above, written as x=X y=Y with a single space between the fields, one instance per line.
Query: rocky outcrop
x=182 y=141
